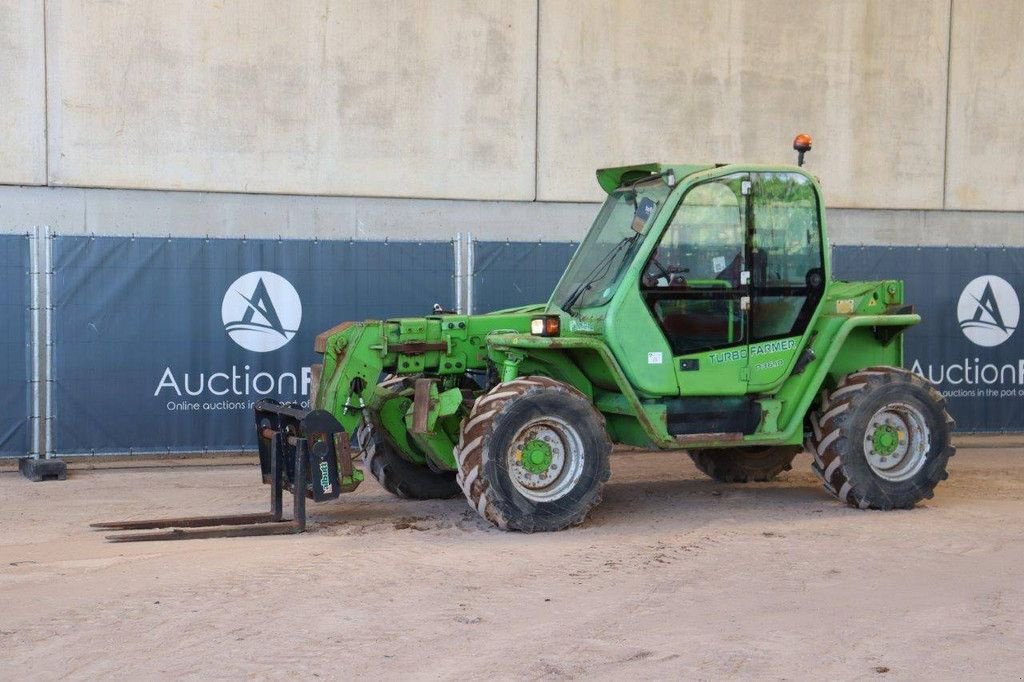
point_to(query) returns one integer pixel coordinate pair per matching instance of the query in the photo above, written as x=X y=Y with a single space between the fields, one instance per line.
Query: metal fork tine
x=274 y=528
x=237 y=525
x=188 y=522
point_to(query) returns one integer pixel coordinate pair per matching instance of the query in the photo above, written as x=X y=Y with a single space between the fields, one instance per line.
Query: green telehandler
x=698 y=313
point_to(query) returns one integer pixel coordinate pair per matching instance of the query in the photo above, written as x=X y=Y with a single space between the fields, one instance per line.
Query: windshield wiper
x=577 y=292
x=597 y=272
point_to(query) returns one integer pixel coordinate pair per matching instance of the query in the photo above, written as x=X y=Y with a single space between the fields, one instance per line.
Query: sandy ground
x=672 y=577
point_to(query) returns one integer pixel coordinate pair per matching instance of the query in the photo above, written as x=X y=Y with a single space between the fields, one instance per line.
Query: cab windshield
x=609 y=247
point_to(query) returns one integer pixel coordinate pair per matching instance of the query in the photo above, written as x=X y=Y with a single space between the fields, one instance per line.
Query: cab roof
x=611 y=178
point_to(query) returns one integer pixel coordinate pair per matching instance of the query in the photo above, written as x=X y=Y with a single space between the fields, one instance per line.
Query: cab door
x=696 y=285
x=787 y=272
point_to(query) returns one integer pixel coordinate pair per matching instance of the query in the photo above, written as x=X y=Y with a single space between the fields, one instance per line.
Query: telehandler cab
x=699 y=312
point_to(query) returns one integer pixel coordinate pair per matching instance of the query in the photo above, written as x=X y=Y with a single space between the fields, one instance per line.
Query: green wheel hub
x=897 y=441
x=536 y=456
x=545 y=459
x=885 y=439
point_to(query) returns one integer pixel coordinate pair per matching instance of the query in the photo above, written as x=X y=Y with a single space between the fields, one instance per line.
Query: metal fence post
x=42 y=464
x=469 y=273
x=457 y=242
x=48 y=341
x=35 y=418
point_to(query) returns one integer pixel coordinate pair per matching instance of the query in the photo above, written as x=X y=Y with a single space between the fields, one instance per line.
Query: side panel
x=716 y=372
x=639 y=345
x=861 y=349
x=770 y=361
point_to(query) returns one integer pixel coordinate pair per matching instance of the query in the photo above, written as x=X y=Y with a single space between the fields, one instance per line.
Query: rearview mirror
x=643 y=213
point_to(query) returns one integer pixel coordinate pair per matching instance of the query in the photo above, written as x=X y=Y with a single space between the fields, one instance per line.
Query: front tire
x=533 y=455
x=744 y=465
x=881 y=439
x=399 y=476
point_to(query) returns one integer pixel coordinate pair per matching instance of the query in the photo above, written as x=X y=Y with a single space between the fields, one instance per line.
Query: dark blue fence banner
x=15 y=359
x=968 y=342
x=511 y=274
x=165 y=344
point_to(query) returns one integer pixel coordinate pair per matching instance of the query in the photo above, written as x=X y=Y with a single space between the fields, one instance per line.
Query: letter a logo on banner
x=988 y=310
x=261 y=311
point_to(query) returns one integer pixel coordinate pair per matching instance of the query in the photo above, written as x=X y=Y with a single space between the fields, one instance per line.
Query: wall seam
x=949 y=87
x=536 y=106
x=46 y=103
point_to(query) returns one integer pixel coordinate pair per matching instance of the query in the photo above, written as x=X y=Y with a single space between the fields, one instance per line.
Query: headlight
x=547 y=325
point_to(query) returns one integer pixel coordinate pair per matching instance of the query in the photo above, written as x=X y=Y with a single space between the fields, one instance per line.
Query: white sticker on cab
x=654 y=358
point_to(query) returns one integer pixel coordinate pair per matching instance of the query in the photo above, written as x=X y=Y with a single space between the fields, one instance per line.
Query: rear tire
x=533 y=455
x=399 y=476
x=745 y=465
x=881 y=439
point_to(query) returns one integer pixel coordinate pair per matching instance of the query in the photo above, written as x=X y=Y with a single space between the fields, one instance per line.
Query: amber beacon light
x=802 y=145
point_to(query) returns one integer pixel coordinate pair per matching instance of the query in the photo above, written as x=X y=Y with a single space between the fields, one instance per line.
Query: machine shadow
x=626 y=504
x=636 y=501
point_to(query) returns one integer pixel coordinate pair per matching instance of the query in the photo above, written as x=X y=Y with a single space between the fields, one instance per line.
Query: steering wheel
x=673 y=276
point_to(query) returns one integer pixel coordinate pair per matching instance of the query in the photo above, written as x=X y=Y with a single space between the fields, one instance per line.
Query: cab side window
x=786 y=259
x=691 y=281
x=703 y=245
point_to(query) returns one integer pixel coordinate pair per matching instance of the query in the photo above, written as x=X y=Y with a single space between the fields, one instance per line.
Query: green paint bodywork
x=606 y=353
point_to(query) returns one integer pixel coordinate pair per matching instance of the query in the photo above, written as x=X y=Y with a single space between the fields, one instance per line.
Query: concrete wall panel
x=986 y=137
x=356 y=97
x=22 y=96
x=70 y=210
x=735 y=80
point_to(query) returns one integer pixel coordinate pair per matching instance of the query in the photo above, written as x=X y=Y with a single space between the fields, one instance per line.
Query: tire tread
x=476 y=429
x=828 y=435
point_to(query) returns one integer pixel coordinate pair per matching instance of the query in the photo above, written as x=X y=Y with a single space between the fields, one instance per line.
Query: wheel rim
x=896 y=442
x=545 y=459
